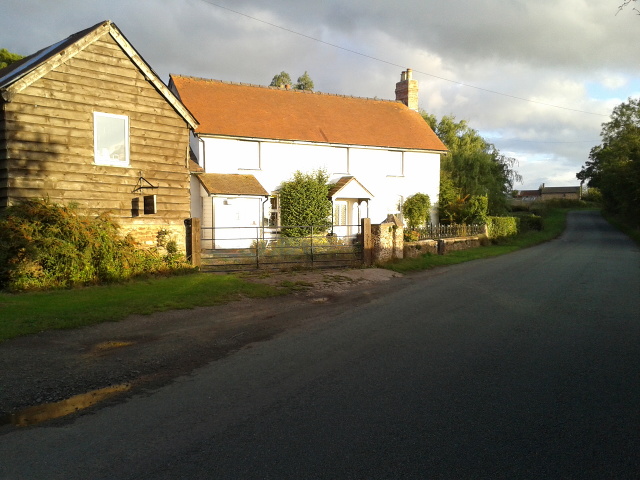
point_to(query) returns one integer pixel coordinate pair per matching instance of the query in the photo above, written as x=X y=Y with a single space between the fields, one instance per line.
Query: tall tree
x=7 y=58
x=283 y=79
x=280 y=80
x=304 y=82
x=614 y=165
x=473 y=168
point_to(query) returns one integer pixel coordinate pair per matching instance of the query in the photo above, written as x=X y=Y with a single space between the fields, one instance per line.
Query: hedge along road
x=521 y=366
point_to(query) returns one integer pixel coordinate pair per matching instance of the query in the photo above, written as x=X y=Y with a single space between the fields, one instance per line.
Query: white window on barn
x=111 y=139
x=340 y=213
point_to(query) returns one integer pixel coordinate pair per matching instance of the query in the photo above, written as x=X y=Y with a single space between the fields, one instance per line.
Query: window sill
x=105 y=164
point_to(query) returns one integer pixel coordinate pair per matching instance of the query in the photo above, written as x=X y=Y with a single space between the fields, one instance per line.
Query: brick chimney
x=407 y=90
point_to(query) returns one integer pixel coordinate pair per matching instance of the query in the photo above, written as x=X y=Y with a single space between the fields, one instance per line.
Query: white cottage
x=252 y=138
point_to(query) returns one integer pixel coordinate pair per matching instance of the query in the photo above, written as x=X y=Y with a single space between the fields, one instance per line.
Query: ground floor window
x=274 y=212
x=340 y=213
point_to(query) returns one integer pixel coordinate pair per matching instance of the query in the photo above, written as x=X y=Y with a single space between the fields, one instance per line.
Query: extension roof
x=231 y=184
x=250 y=111
x=19 y=75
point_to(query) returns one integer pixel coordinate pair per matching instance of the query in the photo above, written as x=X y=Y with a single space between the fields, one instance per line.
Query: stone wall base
x=442 y=246
x=147 y=234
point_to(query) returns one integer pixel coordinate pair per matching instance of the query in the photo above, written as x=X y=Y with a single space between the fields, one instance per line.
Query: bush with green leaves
x=502 y=226
x=45 y=245
x=304 y=202
x=527 y=223
x=416 y=209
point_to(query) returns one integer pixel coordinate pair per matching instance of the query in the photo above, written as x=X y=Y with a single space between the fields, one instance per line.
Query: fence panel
x=435 y=232
x=249 y=248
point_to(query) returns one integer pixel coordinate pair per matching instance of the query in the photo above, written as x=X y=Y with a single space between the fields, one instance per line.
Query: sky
x=537 y=78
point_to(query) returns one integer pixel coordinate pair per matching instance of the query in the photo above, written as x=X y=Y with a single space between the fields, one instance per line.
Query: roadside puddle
x=49 y=411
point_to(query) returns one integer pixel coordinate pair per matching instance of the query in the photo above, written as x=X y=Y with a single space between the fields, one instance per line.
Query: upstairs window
x=395 y=164
x=111 y=139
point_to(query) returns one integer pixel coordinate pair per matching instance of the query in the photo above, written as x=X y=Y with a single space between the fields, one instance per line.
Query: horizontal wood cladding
x=113 y=102
x=40 y=116
x=48 y=140
x=121 y=210
x=140 y=144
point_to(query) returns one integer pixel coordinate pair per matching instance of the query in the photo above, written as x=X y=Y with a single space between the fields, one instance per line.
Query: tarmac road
x=522 y=366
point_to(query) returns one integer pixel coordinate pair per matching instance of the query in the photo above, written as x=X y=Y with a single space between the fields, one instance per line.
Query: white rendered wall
x=391 y=176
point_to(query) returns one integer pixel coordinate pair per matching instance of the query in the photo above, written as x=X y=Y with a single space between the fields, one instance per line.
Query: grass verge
x=27 y=313
x=554 y=224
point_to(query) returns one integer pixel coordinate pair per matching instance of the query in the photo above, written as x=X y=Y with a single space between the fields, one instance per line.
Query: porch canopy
x=349 y=187
x=231 y=184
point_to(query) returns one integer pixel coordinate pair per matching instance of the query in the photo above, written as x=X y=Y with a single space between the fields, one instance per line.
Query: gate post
x=367 y=242
x=193 y=241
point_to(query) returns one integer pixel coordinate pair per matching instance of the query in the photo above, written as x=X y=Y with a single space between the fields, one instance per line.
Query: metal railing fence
x=436 y=231
x=247 y=248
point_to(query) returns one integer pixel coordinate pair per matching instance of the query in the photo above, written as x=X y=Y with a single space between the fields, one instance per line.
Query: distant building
x=548 y=193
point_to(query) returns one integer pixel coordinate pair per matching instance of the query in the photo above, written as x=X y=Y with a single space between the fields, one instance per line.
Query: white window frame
x=98 y=157
x=340 y=213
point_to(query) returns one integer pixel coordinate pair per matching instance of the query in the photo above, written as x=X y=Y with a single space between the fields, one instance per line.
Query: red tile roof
x=251 y=111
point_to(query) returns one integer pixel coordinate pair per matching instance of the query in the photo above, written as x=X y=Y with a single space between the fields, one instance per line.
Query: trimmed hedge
x=502 y=226
x=530 y=222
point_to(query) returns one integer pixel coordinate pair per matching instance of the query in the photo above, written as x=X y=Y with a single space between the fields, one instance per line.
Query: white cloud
x=572 y=54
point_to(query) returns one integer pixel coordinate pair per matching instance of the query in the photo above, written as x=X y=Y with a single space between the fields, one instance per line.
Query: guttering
x=320 y=144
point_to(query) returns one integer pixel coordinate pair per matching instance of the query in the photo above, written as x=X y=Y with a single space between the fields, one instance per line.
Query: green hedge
x=502 y=226
x=530 y=222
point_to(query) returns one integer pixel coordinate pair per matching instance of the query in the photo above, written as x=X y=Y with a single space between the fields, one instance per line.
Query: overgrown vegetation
x=304 y=203
x=44 y=245
x=614 y=165
x=7 y=58
x=475 y=178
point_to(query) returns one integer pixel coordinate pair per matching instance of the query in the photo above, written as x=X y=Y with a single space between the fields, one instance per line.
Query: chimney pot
x=407 y=90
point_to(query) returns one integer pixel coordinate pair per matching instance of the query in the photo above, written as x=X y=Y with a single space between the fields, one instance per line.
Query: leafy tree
x=304 y=82
x=304 y=202
x=472 y=169
x=280 y=80
x=614 y=165
x=283 y=78
x=7 y=58
x=416 y=209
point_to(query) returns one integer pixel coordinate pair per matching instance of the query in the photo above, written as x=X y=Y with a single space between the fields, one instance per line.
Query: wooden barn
x=86 y=121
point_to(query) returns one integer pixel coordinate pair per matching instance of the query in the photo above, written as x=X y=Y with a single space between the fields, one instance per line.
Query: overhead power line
x=355 y=52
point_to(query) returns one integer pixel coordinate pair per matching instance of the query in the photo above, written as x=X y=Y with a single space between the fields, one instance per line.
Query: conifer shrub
x=304 y=203
x=416 y=209
x=44 y=245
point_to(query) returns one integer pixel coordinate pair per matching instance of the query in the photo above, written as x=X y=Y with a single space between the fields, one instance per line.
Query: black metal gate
x=228 y=249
